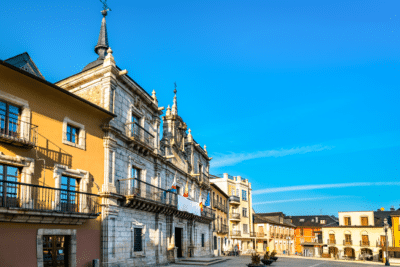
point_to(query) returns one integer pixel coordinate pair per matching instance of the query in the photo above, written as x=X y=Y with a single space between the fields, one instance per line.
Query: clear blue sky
x=289 y=94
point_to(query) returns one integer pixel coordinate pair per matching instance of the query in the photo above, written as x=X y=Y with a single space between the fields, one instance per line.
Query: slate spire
x=102 y=43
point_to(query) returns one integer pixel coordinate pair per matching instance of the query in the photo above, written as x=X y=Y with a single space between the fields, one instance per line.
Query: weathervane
x=175 y=88
x=105 y=7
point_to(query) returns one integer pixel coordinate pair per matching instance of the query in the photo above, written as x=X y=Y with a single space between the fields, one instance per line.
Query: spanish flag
x=173 y=187
x=186 y=194
x=201 y=202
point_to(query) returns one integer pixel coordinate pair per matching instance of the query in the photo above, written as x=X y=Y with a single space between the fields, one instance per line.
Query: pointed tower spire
x=175 y=104
x=102 y=43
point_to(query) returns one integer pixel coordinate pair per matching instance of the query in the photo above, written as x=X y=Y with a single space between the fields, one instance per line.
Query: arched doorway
x=367 y=254
x=333 y=251
x=349 y=252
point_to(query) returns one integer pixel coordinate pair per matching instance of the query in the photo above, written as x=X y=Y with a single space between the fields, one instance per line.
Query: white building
x=360 y=235
x=144 y=224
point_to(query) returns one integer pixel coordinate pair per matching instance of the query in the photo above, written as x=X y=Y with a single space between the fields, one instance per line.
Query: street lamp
x=386 y=227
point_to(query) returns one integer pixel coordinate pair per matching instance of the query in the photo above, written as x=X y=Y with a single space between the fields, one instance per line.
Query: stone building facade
x=144 y=222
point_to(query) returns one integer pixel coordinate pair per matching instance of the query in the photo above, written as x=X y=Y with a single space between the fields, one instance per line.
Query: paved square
x=242 y=261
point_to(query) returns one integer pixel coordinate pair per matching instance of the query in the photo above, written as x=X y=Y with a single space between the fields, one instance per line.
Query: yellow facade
x=396 y=230
x=220 y=225
x=45 y=113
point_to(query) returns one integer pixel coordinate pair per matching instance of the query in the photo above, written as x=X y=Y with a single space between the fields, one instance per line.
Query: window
x=10 y=190
x=244 y=212
x=364 y=240
x=9 y=117
x=301 y=220
x=72 y=134
x=215 y=242
x=137 y=240
x=332 y=239
x=245 y=229
x=347 y=239
x=301 y=231
x=347 y=221
x=69 y=197
x=232 y=191
x=135 y=183
x=364 y=221
x=322 y=221
x=178 y=190
x=244 y=195
x=202 y=240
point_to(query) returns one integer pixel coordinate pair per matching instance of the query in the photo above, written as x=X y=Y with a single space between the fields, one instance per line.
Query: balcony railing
x=138 y=133
x=234 y=199
x=137 y=188
x=253 y=234
x=236 y=233
x=223 y=229
x=380 y=243
x=347 y=242
x=235 y=216
x=17 y=132
x=261 y=234
x=208 y=212
x=364 y=243
x=331 y=241
x=24 y=196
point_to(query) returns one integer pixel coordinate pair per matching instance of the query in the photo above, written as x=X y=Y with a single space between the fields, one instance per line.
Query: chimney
x=392 y=208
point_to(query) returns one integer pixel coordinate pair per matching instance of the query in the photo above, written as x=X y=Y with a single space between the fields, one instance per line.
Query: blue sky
x=289 y=94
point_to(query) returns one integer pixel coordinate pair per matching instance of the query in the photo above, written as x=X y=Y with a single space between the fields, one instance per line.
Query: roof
x=313 y=221
x=37 y=78
x=379 y=217
x=219 y=190
x=258 y=218
x=24 y=62
x=272 y=214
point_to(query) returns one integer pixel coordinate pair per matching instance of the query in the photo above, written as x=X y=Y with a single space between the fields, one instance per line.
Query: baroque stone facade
x=142 y=223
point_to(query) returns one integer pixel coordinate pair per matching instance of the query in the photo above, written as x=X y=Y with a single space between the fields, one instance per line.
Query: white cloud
x=320 y=186
x=297 y=199
x=234 y=158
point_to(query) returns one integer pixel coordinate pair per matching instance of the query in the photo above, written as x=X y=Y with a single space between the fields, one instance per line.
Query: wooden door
x=55 y=251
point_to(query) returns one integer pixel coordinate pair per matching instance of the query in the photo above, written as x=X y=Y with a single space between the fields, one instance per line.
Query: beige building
x=274 y=232
x=360 y=235
x=240 y=209
x=220 y=206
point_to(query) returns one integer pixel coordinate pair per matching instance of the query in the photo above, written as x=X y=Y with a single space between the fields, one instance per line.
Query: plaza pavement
x=293 y=261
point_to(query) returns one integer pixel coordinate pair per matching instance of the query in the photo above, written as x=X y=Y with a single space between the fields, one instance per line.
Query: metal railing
x=224 y=229
x=347 y=242
x=364 y=243
x=43 y=198
x=253 y=234
x=236 y=233
x=140 y=189
x=261 y=234
x=331 y=241
x=380 y=243
x=235 y=216
x=134 y=130
x=17 y=131
x=234 y=199
x=208 y=212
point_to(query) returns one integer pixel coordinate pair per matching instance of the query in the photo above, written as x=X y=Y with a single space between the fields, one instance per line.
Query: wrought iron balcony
x=234 y=200
x=234 y=216
x=331 y=241
x=23 y=202
x=135 y=188
x=17 y=132
x=347 y=242
x=208 y=213
x=236 y=233
x=139 y=134
x=364 y=243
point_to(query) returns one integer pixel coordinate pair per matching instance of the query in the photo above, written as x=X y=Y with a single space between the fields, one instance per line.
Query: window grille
x=137 y=243
x=202 y=240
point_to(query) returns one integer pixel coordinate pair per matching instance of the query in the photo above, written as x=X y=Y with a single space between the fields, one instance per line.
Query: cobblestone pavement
x=289 y=262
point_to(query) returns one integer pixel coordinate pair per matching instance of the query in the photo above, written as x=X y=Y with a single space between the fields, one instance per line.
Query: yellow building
x=394 y=249
x=51 y=169
x=274 y=232
x=220 y=224
x=240 y=209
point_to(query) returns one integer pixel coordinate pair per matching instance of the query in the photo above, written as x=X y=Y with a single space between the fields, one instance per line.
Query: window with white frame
x=74 y=134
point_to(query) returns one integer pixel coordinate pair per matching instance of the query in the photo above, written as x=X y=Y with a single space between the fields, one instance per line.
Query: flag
x=208 y=200
x=174 y=184
x=186 y=193
x=201 y=202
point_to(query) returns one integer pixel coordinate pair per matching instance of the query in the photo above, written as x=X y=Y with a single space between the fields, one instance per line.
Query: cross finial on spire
x=105 y=6
x=175 y=88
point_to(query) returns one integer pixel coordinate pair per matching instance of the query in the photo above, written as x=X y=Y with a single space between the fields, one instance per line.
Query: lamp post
x=386 y=227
